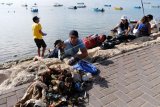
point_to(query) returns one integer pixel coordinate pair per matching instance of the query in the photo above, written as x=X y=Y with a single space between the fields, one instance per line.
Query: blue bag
x=86 y=67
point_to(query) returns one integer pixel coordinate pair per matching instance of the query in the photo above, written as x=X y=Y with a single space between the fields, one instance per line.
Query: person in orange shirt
x=38 y=36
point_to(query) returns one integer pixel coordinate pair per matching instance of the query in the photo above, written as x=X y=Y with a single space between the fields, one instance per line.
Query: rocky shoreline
x=16 y=73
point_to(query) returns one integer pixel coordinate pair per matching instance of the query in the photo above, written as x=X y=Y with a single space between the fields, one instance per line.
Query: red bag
x=90 y=41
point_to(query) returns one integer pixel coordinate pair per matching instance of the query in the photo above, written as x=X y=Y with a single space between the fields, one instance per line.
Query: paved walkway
x=128 y=80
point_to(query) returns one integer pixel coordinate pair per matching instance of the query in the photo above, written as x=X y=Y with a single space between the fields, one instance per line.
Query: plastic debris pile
x=57 y=88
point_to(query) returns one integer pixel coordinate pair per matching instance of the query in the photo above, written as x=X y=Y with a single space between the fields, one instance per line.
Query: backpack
x=107 y=45
x=90 y=41
x=86 y=67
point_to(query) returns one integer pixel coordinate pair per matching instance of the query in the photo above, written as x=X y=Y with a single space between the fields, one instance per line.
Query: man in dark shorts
x=38 y=36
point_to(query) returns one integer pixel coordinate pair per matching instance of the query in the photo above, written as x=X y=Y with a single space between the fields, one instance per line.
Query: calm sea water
x=15 y=29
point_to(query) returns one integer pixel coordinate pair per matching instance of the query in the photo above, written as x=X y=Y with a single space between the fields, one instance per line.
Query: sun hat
x=123 y=17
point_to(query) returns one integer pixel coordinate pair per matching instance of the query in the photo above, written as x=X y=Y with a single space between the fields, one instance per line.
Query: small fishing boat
x=107 y=5
x=99 y=10
x=133 y=21
x=81 y=6
x=137 y=7
x=118 y=8
x=81 y=3
x=58 y=5
x=2 y=3
x=156 y=6
x=34 y=9
x=9 y=4
x=24 y=5
x=73 y=7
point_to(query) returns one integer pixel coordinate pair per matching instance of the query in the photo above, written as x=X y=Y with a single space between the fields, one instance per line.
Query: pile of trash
x=57 y=87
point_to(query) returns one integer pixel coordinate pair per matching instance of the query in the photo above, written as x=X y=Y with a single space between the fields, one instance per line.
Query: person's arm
x=40 y=30
x=137 y=24
x=116 y=27
x=128 y=30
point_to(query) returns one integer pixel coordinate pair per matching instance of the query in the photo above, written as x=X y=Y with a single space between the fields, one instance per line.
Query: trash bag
x=107 y=45
x=86 y=67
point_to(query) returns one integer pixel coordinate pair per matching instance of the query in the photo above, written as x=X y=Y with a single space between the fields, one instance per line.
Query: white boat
x=81 y=6
x=81 y=3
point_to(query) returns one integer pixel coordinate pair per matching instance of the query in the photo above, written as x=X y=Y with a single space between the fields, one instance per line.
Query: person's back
x=143 y=29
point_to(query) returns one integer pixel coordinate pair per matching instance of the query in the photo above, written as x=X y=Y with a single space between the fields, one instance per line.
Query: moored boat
x=58 y=5
x=156 y=6
x=99 y=10
x=34 y=9
x=107 y=5
x=81 y=6
x=81 y=3
x=72 y=7
x=118 y=8
x=137 y=7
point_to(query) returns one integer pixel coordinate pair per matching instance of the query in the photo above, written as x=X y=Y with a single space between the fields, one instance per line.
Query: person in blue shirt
x=72 y=46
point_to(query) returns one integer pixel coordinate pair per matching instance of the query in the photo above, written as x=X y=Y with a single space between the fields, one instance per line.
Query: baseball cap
x=123 y=17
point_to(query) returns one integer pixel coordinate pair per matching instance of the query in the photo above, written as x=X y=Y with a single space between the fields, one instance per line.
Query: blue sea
x=17 y=42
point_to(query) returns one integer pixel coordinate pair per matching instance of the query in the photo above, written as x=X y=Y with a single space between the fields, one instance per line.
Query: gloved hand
x=73 y=60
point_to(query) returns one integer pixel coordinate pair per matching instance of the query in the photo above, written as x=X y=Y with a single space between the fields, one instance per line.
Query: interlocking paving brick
x=151 y=100
x=147 y=91
x=134 y=94
x=3 y=101
x=108 y=99
x=108 y=91
x=7 y=95
x=122 y=88
x=149 y=71
x=11 y=101
x=155 y=82
x=120 y=103
x=138 y=102
x=156 y=89
x=3 y=105
x=147 y=105
x=123 y=96
x=110 y=105
x=20 y=93
x=134 y=86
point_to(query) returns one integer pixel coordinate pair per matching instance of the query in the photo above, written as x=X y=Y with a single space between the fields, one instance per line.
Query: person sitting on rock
x=146 y=19
x=58 y=50
x=123 y=29
x=72 y=46
x=143 y=28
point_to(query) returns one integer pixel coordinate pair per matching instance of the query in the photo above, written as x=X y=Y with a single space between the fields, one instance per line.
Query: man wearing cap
x=38 y=36
x=72 y=46
x=123 y=27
